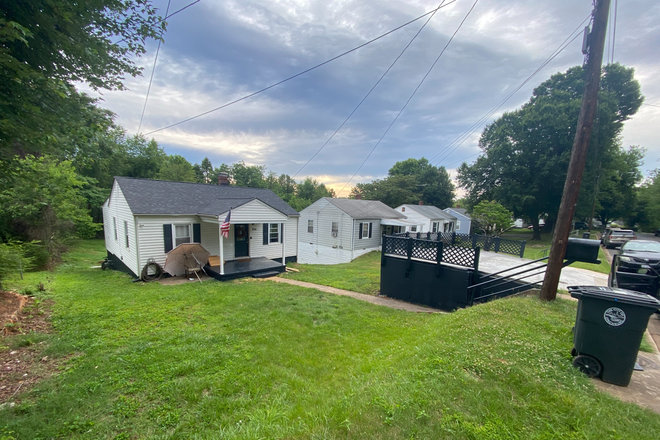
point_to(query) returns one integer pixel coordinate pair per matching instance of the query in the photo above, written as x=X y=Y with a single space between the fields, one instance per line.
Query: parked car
x=637 y=267
x=657 y=233
x=615 y=237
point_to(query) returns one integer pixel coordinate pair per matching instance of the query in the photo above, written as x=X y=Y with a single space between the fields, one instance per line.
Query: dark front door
x=241 y=241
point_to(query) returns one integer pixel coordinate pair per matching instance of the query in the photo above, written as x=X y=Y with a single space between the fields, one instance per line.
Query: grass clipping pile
x=24 y=324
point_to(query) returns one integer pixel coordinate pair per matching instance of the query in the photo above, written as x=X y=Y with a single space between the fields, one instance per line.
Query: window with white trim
x=458 y=224
x=310 y=226
x=335 y=229
x=365 y=230
x=413 y=229
x=181 y=234
x=274 y=232
x=436 y=227
x=126 y=231
x=114 y=224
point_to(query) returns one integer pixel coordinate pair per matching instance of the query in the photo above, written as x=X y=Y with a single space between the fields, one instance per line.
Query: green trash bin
x=609 y=327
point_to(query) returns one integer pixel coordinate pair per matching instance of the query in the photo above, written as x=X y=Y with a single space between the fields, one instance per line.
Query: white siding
x=150 y=235
x=116 y=207
x=274 y=250
x=255 y=212
x=320 y=247
x=365 y=243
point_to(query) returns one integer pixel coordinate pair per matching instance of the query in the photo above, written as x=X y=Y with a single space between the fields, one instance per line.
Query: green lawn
x=257 y=360
x=360 y=275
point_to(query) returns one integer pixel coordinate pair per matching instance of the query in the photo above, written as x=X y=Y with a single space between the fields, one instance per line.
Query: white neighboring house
x=431 y=218
x=144 y=219
x=336 y=231
x=463 y=219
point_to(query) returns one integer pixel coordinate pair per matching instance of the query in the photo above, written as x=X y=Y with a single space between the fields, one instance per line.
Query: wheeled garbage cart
x=609 y=327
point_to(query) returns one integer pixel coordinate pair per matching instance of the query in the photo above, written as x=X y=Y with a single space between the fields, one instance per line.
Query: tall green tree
x=177 y=169
x=410 y=181
x=48 y=45
x=526 y=152
x=492 y=217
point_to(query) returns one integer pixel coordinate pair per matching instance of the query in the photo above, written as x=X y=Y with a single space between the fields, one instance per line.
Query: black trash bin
x=609 y=327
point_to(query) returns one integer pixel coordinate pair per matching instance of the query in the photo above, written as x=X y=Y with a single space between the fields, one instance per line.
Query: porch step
x=265 y=274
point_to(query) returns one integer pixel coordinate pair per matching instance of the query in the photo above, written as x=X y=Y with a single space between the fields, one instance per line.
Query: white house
x=463 y=219
x=144 y=219
x=335 y=231
x=431 y=218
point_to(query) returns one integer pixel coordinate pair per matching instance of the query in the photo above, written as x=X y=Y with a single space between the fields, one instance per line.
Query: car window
x=623 y=233
x=649 y=246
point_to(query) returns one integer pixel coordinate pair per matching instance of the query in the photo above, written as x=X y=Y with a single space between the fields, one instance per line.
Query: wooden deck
x=245 y=268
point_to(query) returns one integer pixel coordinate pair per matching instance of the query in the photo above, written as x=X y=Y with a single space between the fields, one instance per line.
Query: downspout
x=137 y=247
x=283 y=244
x=352 y=239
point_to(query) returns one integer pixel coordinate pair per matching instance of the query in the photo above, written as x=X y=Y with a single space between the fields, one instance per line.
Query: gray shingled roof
x=146 y=196
x=431 y=212
x=461 y=211
x=364 y=209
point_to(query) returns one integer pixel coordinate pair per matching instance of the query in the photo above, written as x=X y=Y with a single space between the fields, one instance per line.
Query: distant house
x=335 y=230
x=144 y=219
x=431 y=218
x=463 y=220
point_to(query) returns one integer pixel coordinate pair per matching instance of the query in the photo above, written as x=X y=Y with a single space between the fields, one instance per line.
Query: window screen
x=181 y=234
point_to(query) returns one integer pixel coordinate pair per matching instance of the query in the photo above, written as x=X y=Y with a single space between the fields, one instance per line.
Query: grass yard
x=256 y=359
x=360 y=275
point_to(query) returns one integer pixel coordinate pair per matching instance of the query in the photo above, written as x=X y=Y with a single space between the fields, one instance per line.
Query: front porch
x=256 y=267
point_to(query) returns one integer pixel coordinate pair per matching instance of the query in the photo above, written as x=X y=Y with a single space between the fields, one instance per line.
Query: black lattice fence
x=428 y=249
x=484 y=242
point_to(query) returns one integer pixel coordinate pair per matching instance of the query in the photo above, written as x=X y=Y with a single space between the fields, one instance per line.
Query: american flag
x=225 y=226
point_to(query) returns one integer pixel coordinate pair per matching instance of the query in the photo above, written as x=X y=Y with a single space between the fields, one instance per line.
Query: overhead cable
x=466 y=134
x=153 y=70
x=369 y=92
x=411 y=96
x=296 y=75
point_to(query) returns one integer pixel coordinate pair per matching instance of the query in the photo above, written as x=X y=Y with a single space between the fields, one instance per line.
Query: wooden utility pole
x=596 y=43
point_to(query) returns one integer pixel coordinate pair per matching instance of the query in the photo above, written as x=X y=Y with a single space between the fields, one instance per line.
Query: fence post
x=407 y=234
x=382 y=251
x=497 y=244
x=453 y=238
x=438 y=257
x=477 y=252
x=428 y=235
x=419 y=235
x=522 y=248
x=409 y=250
x=474 y=241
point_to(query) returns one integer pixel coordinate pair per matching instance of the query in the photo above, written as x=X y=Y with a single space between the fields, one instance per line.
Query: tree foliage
x=410 y=181
x=48 y=45
x=526 y=152
x=492 y=217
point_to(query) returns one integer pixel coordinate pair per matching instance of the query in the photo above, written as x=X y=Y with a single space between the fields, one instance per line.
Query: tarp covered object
x=184 y=257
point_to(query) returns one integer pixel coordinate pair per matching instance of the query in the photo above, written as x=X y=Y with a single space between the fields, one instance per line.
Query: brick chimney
x=421 y=203
x=358 y=196
x=223 y=179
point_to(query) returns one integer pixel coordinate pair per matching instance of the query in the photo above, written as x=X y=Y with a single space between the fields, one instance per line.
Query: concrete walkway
x=378 y=300
x=570 y=276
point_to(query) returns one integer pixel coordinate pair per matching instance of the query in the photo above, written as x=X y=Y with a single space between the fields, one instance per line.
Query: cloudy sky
x=217 y=51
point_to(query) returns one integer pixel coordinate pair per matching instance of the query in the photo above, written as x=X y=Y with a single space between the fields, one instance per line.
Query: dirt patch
x=24 y=323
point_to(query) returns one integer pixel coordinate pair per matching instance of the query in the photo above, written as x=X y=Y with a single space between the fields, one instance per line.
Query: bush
x=13 y=258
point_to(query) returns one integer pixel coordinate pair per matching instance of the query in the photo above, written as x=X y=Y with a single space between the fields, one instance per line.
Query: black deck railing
x=435 y=250
x=484 y=242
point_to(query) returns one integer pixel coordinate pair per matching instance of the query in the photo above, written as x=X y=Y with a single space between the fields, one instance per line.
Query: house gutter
x=137 y=246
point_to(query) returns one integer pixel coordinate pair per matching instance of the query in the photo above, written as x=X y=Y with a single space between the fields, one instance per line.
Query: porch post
x=222 y=250
x=283 y=245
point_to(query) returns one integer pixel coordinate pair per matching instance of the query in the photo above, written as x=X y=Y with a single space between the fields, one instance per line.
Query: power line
x=153 y=70
x=465 y=135
x=652 y=105
x=296 y=75
x=411 y=96
x=616 y=6
x=176 y=12
x=369 y=92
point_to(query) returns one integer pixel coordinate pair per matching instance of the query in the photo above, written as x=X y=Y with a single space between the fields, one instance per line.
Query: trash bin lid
x=615 y=294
